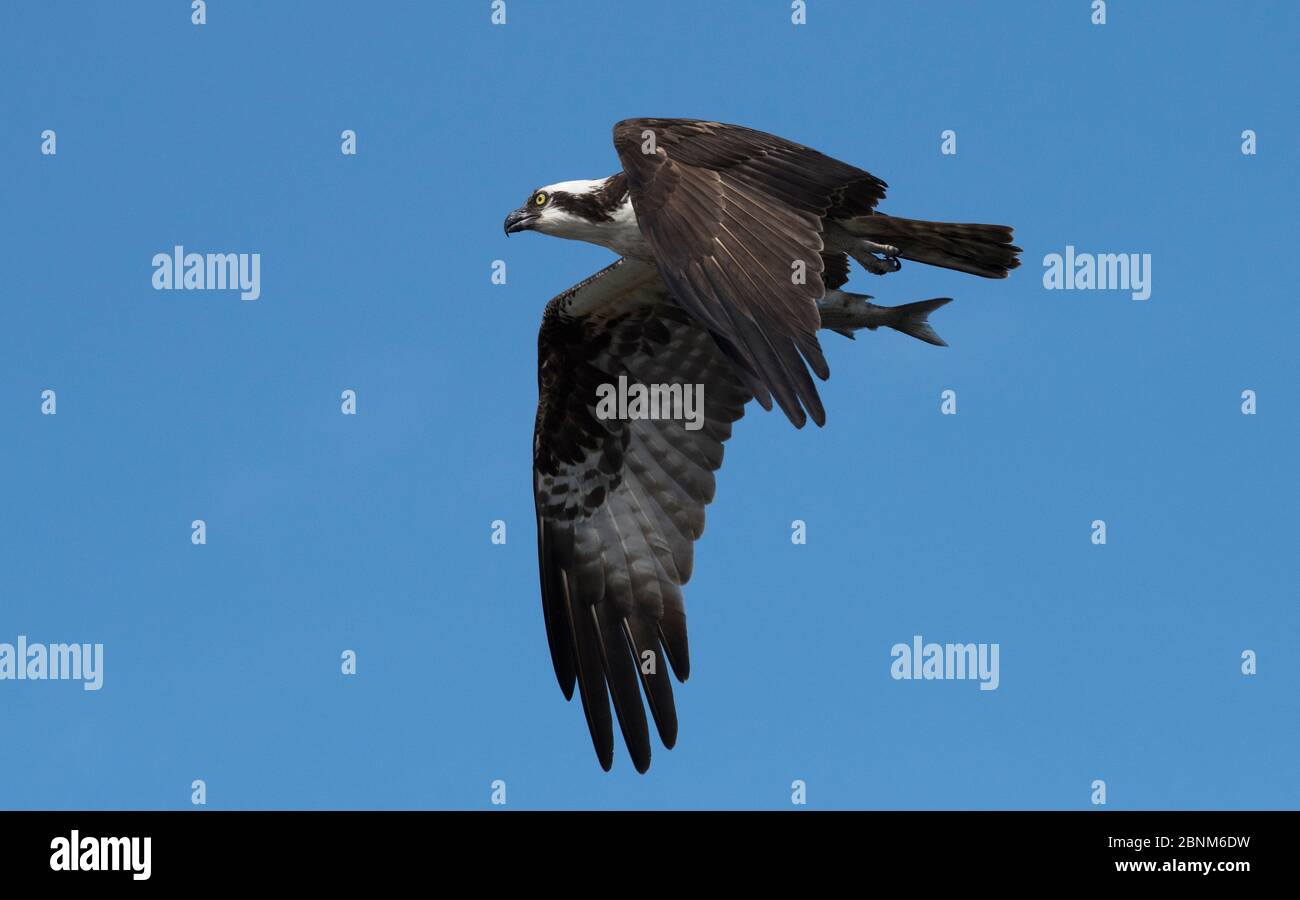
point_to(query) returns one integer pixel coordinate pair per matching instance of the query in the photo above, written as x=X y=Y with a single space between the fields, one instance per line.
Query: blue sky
x=327 y=532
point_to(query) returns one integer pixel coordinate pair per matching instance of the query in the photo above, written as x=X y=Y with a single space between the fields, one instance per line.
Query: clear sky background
x=326 y=532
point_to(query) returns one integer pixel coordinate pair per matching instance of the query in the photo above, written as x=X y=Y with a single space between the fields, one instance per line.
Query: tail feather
x=978 y=249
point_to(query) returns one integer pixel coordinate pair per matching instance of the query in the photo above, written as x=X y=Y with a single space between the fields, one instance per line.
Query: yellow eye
x=540 y=199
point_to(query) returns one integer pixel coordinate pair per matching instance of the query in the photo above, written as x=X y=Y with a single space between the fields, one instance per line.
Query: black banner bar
x=1174 y=849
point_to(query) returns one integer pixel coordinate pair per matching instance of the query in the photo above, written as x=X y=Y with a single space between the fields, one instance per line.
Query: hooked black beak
x=520 y=220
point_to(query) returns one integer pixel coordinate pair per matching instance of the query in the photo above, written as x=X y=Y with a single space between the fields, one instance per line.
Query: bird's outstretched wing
x=620 y=502
x=734 y=217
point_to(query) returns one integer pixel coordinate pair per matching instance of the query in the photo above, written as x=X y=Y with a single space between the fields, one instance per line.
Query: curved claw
x=878 y=259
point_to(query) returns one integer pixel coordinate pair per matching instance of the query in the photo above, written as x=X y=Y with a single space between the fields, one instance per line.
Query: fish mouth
x=520 y=220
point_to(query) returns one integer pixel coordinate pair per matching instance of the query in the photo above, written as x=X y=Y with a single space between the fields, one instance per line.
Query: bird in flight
x=734 y=245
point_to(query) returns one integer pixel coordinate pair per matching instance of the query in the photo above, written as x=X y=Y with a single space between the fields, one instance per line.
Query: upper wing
x=621 y=501
x=734 y=217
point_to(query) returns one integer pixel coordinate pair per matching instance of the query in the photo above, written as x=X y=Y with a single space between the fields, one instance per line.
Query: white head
x=585 y=210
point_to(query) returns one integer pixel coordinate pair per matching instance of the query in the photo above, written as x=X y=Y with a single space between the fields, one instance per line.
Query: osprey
x=734 y=245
